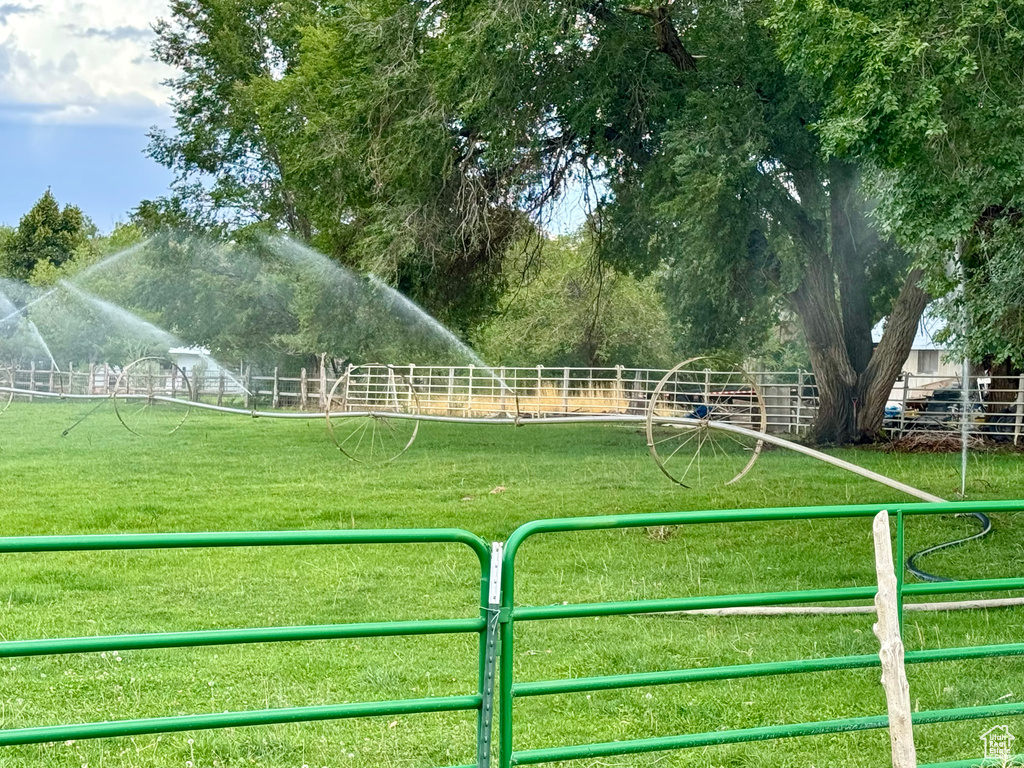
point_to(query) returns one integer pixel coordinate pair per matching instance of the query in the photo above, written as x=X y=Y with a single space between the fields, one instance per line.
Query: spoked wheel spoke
x=699 y=419
x=153 y=397
x=370 y=414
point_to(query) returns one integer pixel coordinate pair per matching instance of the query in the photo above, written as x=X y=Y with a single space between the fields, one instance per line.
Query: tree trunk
x=851 y=407
x=875 y=383
x=1002 y=390
x=815 y=303
x=852 y=240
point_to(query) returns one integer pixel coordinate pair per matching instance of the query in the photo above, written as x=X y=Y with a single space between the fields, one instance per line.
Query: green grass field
x=231 y=473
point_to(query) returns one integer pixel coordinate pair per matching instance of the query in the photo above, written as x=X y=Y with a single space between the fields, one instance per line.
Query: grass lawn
x=231 y=473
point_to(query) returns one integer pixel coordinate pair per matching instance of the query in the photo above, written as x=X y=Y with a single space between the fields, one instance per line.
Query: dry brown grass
x=601 y=398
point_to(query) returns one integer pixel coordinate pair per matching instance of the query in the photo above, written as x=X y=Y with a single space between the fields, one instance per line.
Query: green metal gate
x=495 y=628
x=478 y=700
x=512 y=614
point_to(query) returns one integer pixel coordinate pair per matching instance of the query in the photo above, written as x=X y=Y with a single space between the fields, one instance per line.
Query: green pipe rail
x=510 y=689
x=495 y=629
x=122 y=728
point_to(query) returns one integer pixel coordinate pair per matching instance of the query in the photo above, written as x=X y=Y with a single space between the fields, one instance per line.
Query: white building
x=926 y=367
x=927 y=356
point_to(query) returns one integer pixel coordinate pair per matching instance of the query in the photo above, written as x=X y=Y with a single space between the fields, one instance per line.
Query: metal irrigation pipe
x=517 y=420
x=54 y=395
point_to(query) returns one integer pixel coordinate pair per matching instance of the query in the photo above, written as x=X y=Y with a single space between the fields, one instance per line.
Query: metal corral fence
x=499 y=615
x=918 y=403
x=511 y=614
x=483 y=625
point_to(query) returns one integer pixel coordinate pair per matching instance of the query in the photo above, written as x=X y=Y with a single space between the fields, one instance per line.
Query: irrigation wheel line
x=372 y=414
x=688 y=400
x=153 y=397
x=851 y=610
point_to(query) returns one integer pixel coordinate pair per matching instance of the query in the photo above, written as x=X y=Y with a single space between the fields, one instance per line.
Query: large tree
x=927 y=94
x=46 y=235
x=365 y=165
x=414 y=136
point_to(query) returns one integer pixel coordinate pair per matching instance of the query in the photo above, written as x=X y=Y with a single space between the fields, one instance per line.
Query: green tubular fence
x=495 y=628
x=478 y=625
x=511 y=613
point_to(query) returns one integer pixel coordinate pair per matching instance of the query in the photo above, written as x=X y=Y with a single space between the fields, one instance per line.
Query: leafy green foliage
x=572 y=310
x=330 y=122
x=990 y=302
x=425 y=142
x=929 y=90
x=47 y=236
x=219 y=46
x=929 y=93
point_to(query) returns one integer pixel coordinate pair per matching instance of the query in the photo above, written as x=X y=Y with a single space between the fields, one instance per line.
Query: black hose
x=986 y=529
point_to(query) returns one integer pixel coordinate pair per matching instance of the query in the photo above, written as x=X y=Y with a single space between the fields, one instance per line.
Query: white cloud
x=8 y=10
x=81 y=61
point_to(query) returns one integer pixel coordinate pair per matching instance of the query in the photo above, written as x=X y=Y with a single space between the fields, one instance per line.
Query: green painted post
x=505 y=658
x=900 y=566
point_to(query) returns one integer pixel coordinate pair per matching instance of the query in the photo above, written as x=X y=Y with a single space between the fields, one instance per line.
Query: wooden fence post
x=247 y=384
x=1019 y=410
x=565 y=390
x=303 y=390
x=32 y=380
x=619 y=393
x=540 y=387
x=501 y=386
x=275 y=395
x=220 y=388
x=903 y=405
x=392 y=392
x=323 y=381
x=49 y=383
x=799 y=398
x=345 y=387
x=450 y=407
x=887 y=630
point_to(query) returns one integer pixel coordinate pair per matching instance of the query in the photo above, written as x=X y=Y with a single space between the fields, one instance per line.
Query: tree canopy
x=425 y=141
x=47 y=235
x=566 y=308
x=927 y=95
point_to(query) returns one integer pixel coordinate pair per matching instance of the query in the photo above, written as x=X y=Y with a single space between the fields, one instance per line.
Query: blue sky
x=78 y=92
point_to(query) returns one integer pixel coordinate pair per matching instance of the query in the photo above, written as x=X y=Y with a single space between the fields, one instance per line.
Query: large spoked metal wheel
x=371 y=414
x=698 y=421
x=153 y=397
x=6 y=388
